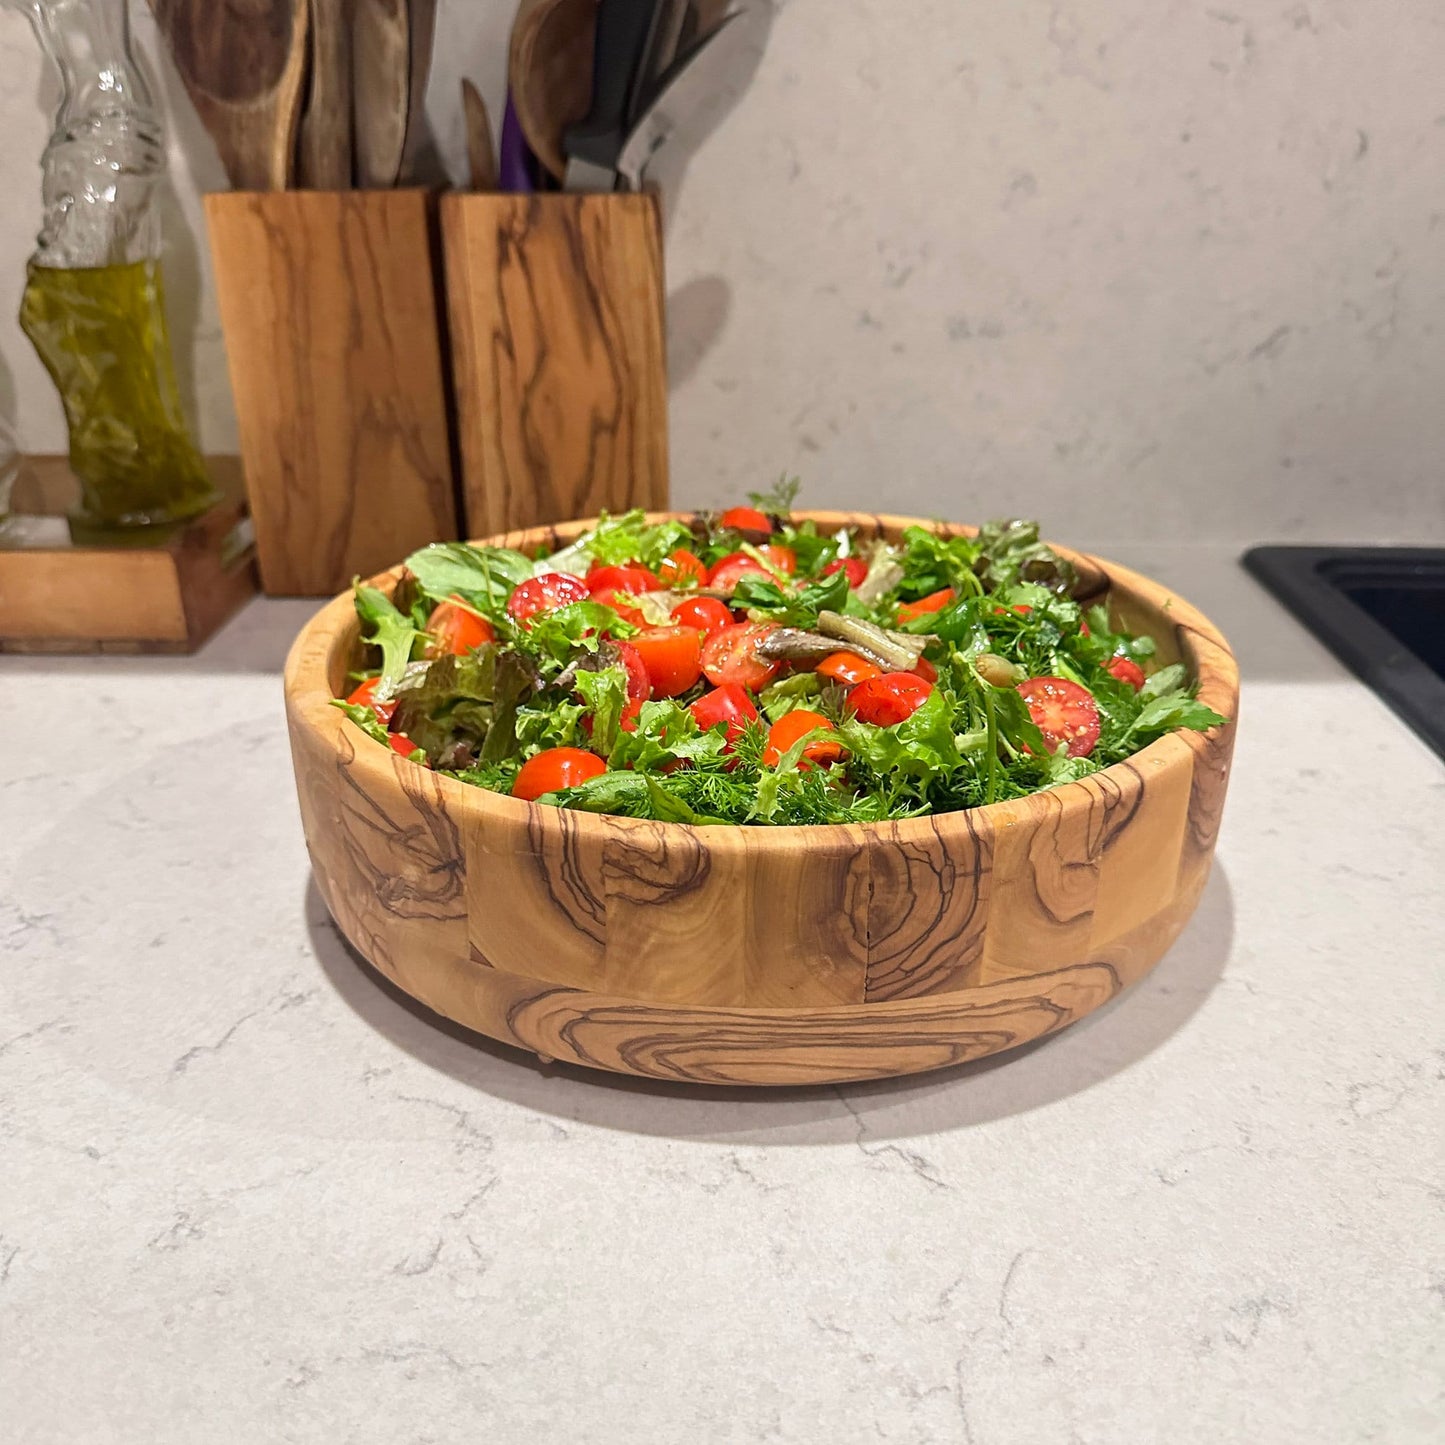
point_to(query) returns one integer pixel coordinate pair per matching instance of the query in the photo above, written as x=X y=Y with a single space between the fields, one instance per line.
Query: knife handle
x=622 y=30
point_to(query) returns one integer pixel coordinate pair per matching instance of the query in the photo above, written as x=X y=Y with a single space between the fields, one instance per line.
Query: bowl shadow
x=1125 y=1030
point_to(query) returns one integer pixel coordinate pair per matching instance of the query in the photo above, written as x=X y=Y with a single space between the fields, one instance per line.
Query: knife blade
x=661 y=50
x=690 y=80
x=591 y=146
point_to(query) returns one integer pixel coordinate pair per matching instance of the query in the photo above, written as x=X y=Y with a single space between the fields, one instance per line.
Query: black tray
x=1380 y=610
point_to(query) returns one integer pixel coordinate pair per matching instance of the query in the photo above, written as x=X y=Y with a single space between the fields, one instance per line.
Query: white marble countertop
x=248 y=1193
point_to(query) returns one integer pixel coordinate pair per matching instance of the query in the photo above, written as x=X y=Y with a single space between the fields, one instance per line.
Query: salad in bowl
x=753 y=667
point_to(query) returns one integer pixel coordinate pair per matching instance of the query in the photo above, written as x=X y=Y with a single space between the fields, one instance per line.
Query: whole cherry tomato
x=707 y=614
x=779 y=558
x=542 y=594
x=1126 y=670
x=365 y=696
x=792 y=726
x=726 y=704
x=633 y=577
x=934 y=602
x=848 y=668
x=889 y=699
x=731 y=656
x=855 y=567
x=682 y=569
x=1064 y=712
x=555 y=769
x=672 y=657
x=746 y=519
x=454 y=628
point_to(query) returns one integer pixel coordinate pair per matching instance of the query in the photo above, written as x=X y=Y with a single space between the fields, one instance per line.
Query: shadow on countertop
x=1122 y=1032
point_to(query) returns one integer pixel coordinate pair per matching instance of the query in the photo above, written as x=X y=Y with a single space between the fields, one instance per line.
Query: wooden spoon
x=324 y=163
x=381 y=82
x=242 y=63
x=549 y=70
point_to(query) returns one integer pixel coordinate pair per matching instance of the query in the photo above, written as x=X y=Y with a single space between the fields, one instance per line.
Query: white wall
x=1144 y=268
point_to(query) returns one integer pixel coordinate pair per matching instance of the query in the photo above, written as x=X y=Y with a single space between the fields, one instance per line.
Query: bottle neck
x=89 y=41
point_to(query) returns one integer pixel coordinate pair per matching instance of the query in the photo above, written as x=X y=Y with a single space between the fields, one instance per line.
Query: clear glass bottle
x=93 y=305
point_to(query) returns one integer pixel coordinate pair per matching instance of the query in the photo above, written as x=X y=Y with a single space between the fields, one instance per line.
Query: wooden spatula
x=324 y=163
x=242 y=63
x=381 y=80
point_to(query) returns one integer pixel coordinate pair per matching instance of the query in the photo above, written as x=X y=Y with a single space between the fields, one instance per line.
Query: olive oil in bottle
x=101 y=332
x=93 y=304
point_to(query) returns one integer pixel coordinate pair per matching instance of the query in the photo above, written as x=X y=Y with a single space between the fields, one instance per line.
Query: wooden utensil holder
x=332 y=315
x=559 y=361
x=59 y=597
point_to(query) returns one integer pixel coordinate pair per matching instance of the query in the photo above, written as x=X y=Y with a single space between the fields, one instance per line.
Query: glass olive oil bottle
x=93 y=304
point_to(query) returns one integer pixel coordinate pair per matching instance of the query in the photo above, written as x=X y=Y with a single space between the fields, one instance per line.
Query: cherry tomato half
x=726 y=573
x=855 y=567
x=557 y=768
x=456 y=629
x=542 y=594
x=365 y=696
x=890 y=698
x=403 y=745
x=618 y=602
x=934 y=602
x=731 y=656
x=633 y=577
x=792 y=726
x=1126 y=670
x=745 y=519
x=639 y=683
x=682 y=569
x=726 y=704
x=672 y=657
x=707 y=614
x=1064 y=712
x=848 y=668
x=926 y=670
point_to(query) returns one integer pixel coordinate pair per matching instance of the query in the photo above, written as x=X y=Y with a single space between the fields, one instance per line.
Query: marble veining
x=251 y=1193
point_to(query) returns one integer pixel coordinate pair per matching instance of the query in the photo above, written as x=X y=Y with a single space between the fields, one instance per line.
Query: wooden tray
x=762 y=955
x=57 y=597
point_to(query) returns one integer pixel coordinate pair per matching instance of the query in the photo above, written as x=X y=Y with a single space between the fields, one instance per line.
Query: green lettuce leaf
x=384 y=627
x=484 y=576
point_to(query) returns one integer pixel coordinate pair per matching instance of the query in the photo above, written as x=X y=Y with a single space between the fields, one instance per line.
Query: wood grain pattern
x=243 y=63
x=549 y=72
x=762 y=955
x=160 y=599
x=329 y=306
x=324 y=158
x=556 y=306
x=381 y=88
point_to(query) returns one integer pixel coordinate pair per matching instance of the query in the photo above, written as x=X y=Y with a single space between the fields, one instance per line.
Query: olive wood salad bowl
x=762 y=955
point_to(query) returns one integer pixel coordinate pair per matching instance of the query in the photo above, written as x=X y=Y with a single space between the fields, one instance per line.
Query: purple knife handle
x=513 y=171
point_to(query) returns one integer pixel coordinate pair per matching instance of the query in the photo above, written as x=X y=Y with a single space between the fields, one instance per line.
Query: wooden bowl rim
x=309 y=696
